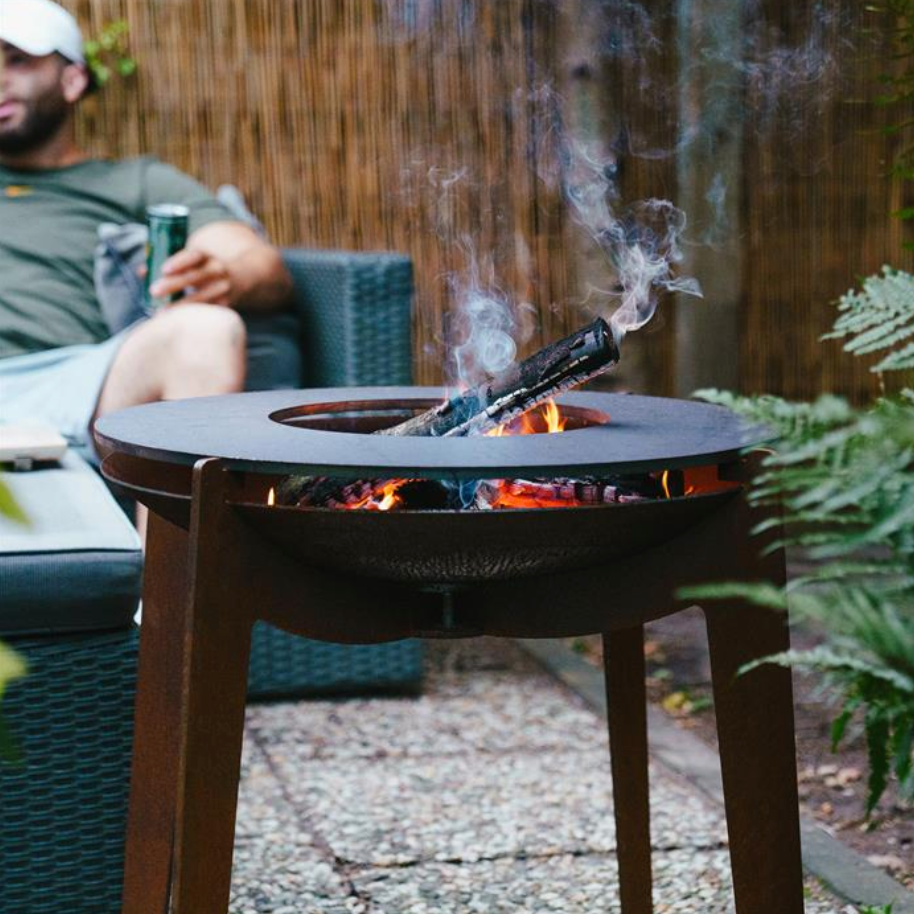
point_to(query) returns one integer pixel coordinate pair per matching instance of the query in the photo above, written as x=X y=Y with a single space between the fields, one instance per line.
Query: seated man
x=58 y=362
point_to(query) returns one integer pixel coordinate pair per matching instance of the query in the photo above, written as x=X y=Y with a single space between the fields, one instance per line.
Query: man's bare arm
x=227 y=263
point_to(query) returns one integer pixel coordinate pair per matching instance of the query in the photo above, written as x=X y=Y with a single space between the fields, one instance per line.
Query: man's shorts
x=58 y=387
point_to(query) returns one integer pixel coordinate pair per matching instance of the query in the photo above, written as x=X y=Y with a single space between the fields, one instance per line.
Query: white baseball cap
x=41 y=27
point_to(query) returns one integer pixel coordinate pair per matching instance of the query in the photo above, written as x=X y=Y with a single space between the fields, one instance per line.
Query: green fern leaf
x=878 y=317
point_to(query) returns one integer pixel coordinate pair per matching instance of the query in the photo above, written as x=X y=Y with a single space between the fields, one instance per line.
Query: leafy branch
x=880 y=317
x=898 y=93
x=108 y=53
x=845 y=480
x=12 y=666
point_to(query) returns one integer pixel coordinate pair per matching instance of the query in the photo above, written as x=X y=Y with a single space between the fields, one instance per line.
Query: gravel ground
x=490 y=793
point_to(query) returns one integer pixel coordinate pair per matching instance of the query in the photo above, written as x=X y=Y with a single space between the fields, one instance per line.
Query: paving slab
x=489 y=793
x=492 y=711
x=684 y=882
x=397 y=811
x=279 y=864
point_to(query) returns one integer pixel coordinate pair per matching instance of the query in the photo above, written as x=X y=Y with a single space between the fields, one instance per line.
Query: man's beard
x=42 y=120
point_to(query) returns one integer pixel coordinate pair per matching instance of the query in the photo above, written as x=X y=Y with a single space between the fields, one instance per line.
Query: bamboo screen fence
x=407 y=125
x=359 y=125
x=817 y=206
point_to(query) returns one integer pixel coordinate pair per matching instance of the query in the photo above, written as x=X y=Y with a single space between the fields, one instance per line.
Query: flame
x=532 y=422
x=552 y=415
x=271 y=496
x=381 y=498
x=665 y=482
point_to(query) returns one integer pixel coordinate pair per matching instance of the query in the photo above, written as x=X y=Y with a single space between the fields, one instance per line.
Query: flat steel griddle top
x=643 y=434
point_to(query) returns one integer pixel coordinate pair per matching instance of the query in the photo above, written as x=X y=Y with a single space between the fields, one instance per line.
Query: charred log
x=554 y=369
x=549 y=372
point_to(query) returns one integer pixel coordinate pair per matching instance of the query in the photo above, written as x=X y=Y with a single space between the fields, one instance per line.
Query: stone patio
x=490 y=793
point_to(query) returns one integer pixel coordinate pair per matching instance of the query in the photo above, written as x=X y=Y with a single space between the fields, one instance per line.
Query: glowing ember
x=488 y=494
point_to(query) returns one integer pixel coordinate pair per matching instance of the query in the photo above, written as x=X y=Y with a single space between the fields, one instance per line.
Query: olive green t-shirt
x=48 y=233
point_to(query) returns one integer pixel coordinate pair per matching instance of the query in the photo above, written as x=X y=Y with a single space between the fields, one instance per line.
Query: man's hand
x=202 y=276
x=226 y=263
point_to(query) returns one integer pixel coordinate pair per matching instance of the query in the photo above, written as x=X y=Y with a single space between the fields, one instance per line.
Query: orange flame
x=665 y=482
x=271 y=496
x=532 y=422
x=381 y=498
x=554 y=421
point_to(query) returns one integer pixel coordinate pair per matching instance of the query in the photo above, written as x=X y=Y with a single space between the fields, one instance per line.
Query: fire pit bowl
x=466 y=547
x=326 y=433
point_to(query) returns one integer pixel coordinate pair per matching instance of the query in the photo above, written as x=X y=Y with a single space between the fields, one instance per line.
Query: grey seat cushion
x=78 y=566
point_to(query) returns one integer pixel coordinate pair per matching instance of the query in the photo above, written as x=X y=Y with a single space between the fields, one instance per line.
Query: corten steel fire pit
x=219 y=558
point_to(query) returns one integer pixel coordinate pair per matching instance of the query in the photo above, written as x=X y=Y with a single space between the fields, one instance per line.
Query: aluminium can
x=167 y=225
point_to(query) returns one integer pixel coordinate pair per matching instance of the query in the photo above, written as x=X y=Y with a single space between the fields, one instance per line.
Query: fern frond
x=879 y=317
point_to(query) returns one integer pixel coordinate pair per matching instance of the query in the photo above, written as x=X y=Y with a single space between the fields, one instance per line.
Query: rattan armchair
x=69 y=610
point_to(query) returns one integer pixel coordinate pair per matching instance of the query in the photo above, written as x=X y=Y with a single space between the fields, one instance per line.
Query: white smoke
x=641 y=240
x=483 y=326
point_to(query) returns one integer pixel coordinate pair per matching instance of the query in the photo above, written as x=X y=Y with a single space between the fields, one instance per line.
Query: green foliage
x=880 y=317
x=898 y=91
x=108 y=53
x=845 y=480
x=8 y=505
x=12 y=666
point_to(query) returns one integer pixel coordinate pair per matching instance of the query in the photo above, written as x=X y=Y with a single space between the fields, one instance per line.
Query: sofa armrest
x=355 y=312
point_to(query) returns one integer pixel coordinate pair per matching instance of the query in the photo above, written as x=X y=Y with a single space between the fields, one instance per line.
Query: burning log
x=549 y=372
x=554 y=369
x=484 y=495
x=547 y=493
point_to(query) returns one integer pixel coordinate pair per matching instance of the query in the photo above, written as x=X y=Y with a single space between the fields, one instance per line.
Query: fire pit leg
x=626 y=707
x=218 y=634
x=758 y=758
x=156 y=748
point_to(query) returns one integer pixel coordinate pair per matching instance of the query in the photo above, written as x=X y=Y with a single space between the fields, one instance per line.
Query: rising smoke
x=640 y=241
x=777 y=76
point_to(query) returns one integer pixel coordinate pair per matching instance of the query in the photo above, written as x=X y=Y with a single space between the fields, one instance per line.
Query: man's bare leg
x=186 y=351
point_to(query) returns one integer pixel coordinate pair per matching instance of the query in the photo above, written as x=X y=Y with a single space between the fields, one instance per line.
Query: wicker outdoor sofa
x=67 y=601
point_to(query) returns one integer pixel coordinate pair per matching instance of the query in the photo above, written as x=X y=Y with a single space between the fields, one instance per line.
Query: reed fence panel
x=412 y=125
x=359 y=124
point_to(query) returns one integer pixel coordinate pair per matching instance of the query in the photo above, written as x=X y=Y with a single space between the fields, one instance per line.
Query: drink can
x=167 y=224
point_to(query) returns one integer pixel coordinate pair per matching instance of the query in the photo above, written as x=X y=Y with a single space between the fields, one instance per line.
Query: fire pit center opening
x=367 y=416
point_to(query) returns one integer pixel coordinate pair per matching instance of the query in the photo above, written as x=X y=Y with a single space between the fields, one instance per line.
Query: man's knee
x=213 y=324
x=209 y=341
x=187 y=351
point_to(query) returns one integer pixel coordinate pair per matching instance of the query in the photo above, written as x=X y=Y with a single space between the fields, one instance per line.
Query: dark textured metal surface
x=469 y=547
x=644 y=433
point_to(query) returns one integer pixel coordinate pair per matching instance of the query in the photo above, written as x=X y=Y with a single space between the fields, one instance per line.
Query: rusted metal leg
x=758 y=758
x=156 y=742
x=623 y=653
x=218 y=639
x=211 y=767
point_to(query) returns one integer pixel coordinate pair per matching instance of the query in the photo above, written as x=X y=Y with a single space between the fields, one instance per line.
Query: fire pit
x=221 y=556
